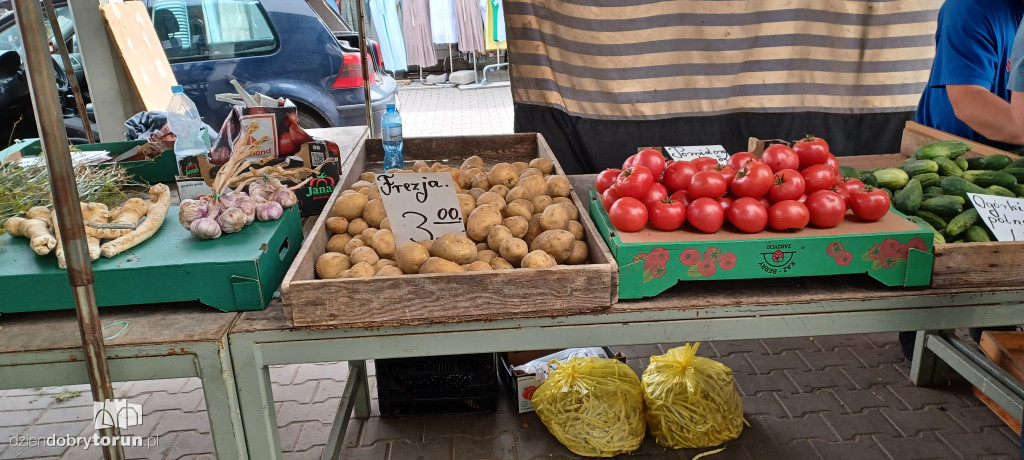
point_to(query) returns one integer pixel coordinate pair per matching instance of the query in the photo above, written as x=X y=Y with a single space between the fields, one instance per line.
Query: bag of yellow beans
x=593 y=406
x=691 y=401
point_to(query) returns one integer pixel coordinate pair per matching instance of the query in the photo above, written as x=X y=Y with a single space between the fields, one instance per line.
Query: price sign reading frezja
x=690 y=152
x=420 y=206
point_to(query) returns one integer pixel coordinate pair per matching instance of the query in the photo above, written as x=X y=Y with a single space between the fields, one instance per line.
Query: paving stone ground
x=832 y=397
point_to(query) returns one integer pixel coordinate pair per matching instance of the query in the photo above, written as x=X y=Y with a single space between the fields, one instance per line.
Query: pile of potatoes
x=517 y=215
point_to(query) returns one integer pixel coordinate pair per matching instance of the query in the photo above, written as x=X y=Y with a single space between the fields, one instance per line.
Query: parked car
x=301 y=50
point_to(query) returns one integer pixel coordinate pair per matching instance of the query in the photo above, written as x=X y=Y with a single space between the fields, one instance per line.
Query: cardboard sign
x=1004 y=216
x=420 y=206
x=690 y=152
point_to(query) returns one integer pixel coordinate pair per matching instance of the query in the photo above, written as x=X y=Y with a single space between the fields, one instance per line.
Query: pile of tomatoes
x=786 y=189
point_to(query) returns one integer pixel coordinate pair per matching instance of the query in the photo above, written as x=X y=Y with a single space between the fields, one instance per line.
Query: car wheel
x=309 y=119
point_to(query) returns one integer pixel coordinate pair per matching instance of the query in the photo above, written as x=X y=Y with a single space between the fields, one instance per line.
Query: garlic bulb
x=231 y=220
x=285 y=196
x=270 y=210
x=248 y=207
x=190 y=210
x=205 y=228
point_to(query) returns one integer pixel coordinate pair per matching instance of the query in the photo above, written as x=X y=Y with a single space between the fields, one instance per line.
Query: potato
x=360 y=184
x=356 y=226
x=570 y=208
x=519 y=207
x=475 y=192
x=352 y=245
x=364 y=254
x=427 y=244
x=466 y=204
x=454 y=247
x=349 y=206
x=545 y=165
x=439 y=265
x=558 y=243
x=367 y=235
x=374 y=192
x=472 y=162
x=554 y=218
x=384 y=263
x=497 y=235
x=534 y=228
x=562 y=199
x=500 y=190
x=534 y=185
x=530 y=172
x=482 y=247
x=538 y=259
x=478 y=266
x=486 y=255
x=540 y=202
x=576 y=229
x=557 y=186
x=498 y=263
x=518 y=225
x=362 y=270
x=460 y=178
x=436 y=166
x=368 y=176
x=336 y=225
x=491 y=198
x=516 y=193
x=389 y=271
x=330 y=265
x=347 y=191
x=383 y=241
x=481 y=220
x=345 y=274
x=472 y=172
x=520 y=166
x=374 y=212
x=385 y=224
x=504 y=174
x=410 y=256
x=420 y=165
x=513 y=250
x=580 y=253
x=365 y=191
x=481 y=181
x=337 y=242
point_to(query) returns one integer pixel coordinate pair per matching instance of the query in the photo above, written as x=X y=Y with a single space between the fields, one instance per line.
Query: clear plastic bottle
x=183 y=120
x=391 y=135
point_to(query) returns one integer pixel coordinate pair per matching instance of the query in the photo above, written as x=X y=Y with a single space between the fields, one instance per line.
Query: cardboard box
x=892 y=250
x=160 y=169
x=521 y=385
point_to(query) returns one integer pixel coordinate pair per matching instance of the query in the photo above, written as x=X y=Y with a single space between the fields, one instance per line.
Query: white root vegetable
x=37 y=231
x=160 y=197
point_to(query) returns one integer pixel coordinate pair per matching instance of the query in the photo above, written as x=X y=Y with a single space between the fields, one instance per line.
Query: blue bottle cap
x=390 y=106
x=177 y=89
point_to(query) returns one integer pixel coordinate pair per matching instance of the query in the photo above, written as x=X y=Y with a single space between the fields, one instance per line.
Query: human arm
x=988 y=114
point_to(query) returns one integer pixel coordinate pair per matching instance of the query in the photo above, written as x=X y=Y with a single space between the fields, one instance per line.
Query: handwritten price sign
x=420 y=206
x=1004 y=216
x=690 y=152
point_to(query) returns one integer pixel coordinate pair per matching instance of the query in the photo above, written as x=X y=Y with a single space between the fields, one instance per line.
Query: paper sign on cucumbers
x=690 y=152
x=420 y=206
x=1004 y=216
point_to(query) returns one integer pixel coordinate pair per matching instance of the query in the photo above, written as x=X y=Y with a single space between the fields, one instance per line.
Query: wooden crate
x=448 y=298
x=1006 y=349
x=957 y=265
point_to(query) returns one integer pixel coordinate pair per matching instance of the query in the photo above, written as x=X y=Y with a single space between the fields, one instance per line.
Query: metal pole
x=366 y=75
x=38 y=65
x=58 y=37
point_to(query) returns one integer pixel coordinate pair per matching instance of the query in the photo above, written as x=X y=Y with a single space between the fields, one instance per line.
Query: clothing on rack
x=419 y=43
x=498 y=18
x=384 y=14
x=490 y=30
x=471 y=26
x=444 y=26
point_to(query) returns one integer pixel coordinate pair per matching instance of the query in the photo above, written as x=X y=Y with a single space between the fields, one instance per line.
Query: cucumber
x=1000 y=191
x=948 y=168
x=975 y=163
x=984 y=178
x=946 y=149
x=891 y=178
x=1018 y=173
x=868 y=178
x=962 y=222
x=996 y=162
x=977 y=234
x=908 y=199
x=958 y=186
x=933 y=189
x=847 y=171
x=932 y=219
x=962 y=163
x=944 y=206
x=928 y=179
x=1019 y=190
x=1018 y=163
x=914 y=167
x=937 y=237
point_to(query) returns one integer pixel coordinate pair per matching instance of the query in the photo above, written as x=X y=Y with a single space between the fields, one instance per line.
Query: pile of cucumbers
x=931 y=188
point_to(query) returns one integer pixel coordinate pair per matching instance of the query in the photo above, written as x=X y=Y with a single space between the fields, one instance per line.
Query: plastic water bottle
x=183 y=120
x=391 y=134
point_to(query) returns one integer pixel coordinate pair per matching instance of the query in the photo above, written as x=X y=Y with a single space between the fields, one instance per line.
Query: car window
x=10 y=38
x=192 y=30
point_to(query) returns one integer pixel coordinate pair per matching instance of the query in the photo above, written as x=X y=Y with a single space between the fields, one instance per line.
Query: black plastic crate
x=455 y=384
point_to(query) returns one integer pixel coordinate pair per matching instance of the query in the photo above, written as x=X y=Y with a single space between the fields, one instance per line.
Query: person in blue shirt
x=967 y=93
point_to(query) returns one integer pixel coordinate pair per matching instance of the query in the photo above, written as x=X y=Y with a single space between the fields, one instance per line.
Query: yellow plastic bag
x=691 y=401
x=593 y=406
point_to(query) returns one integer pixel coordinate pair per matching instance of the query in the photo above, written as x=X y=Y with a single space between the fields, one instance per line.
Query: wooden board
x=447 y=298
x=149 y=72
x=1006 y=349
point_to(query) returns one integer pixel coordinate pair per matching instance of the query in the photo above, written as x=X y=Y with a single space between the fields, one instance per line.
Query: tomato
x=833 y=162
x=819 y=177
x=740 y=159
x=705 y=214
x=628 y=214
x=869 y=204
x=682 y=195
x=630 y=161
x=789 y=185
x=765 y=202
x=609 y=196
x=812 y=151
x=677 y=175
x=704 y=163
x=707 y=183
x=843 y=193
x=667 y=215
x=747 y=214
x=779 y=157
x=653 y=160
x=606 y=179
x=727 y=172
x=634 y=181
x=753 y=181
x=850 y=184
x=827 y=208
x=725 y=201
x=788 y=215
x=656 y=193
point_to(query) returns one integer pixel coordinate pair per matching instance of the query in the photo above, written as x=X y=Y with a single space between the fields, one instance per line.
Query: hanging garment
x=471 y=26
x=419 y=45
x=490 y=32
x=498 y=17
x=443 y=25
x=384 y=14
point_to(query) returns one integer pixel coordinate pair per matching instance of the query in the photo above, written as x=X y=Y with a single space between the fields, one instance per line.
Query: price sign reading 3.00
x=420 y=206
